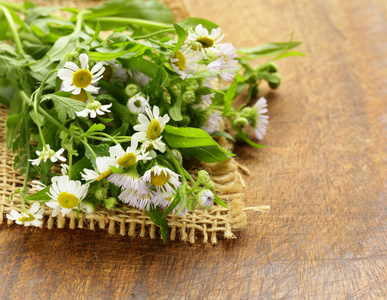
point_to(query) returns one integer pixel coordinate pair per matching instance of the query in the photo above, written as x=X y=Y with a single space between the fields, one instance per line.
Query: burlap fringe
x=133 y=222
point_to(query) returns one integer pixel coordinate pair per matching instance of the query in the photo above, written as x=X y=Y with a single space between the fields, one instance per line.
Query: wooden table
x=323 y=172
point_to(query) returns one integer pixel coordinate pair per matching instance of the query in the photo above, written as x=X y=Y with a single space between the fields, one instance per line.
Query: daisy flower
x=162 y=179
x=129 y=180
x=102 y=170
x=129 y=157
x=205 y=198
x=226 y=61
x=93 y=109
x=137 y=199
x=66 y=194
x=261 y=121
x=183 y=64
x=48 y=153
x=31 y=217
x=200 y=39
x=137 y=104
x=212 y=123
x=151 y=126
x=75 y=79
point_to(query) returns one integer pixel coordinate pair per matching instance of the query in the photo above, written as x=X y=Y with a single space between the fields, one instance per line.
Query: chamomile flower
x=102 y=170
x=75 y=79
x=150 y=145
x=183 y=64
x=212 y=123
x=48 y=153
x=66 y=194
x=37 y=186
x=31 y=217
x=200 y=39
x=206 y=198
x=151 y=125
x=129 y=157
x=64 y=169
x=114 y=72
x=137 y=104
x=93 y=109
x=162 y=179
x=261 y=121
x=129 y=180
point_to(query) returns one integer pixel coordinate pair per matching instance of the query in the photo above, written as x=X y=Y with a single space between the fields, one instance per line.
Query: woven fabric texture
x=204 y=225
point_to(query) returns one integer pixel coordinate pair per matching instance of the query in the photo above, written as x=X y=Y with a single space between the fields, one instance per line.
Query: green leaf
x=78 y=167
x=96 y=127
x=157 y=216
x=13 y=125
x=193 y=22
x=62 y=47
x=98 y=56
x=224 y=134
x=229 y=97
x=175 y=110
x=269 y=49
x=288 y=54
x=219 y=201
x=181 y=36
x=171 y=206
x=40 y=196
x=65 y=107
x=243 y=135
x=207 y=154
x=7 y=91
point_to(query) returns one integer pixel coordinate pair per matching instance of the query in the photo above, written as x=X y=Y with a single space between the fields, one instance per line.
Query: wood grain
x=323 y=172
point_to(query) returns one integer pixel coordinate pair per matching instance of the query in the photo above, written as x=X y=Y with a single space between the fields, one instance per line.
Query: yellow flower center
x=160 y=179
x=82 y=96
x=128 y=160
x=82 y=78
x=149 y=148
x=180 y=63
x=154 y=130
x=28 y=218
x=67 y=200
x=108 y=73
x=205 y=41
x=104 y=175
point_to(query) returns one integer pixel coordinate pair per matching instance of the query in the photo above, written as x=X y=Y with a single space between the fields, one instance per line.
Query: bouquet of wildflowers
x=120 y=96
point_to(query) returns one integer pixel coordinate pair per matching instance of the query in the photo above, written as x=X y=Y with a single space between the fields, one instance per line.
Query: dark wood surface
x=323 y=172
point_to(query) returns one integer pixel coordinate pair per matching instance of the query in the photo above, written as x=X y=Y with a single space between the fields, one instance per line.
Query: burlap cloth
x=206 y=225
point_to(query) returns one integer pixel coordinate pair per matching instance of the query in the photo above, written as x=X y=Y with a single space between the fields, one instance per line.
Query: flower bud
x=177 y=154
x=110 y=203
x=210 y=185
x=203 y=176
x=275 y=81
x=100 y=193
x=88 y=206
x=205 y=198
x=132 y=89
x=241 y=122
x=185 y=121
x=189 y=97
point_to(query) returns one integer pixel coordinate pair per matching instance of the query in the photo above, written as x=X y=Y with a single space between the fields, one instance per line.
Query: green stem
x=106 y=135
x=89 y=96
x=55 y=122
x=79 y=23
x=176 y=163
x=13 y=6
x=14 y=30
x=27 y=173
x=154 y=33
x=131 y=21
